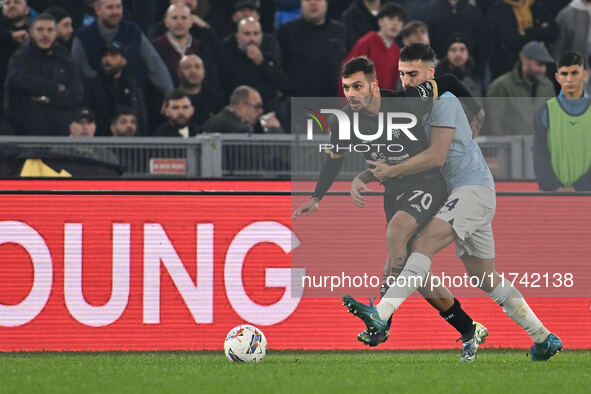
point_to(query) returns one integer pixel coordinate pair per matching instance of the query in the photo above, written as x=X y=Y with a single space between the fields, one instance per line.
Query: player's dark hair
x=417 y=51
x=122 y=111
x=570 y=59
x=392 y=10
x=357 y=64
x=176 y=94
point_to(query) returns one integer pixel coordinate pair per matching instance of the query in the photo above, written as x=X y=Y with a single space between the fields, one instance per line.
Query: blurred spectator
x=159 y=28
x=380 y=47
x=64 y=27
x=115 y=87
x=512 y=24
x=43 y=84
x=458 y=16
x=178 y=42
x=253 y=59
x=457 y=61
x=415 y=32
x=79 y=10
x=178 y=111
x=123 y=123
x=143 y=61
x=14 y=33
x=561 y=135
x=245 y=9
x=193 y=82
x=313 y=68
x=222 y=14
x=243 y=115
x=527 y=79
x=83 y=125
x=360 y=18
x=575 y=28
x=200 y=30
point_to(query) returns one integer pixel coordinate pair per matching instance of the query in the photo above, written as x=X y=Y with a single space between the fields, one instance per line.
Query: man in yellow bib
x=562 y=132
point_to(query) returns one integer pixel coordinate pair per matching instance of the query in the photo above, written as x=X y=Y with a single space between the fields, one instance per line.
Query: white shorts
x=470 y=210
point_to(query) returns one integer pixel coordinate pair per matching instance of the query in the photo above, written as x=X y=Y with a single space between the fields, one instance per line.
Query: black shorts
x=421 y=197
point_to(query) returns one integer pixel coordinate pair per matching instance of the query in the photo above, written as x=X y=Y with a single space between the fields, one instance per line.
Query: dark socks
x=459 y=320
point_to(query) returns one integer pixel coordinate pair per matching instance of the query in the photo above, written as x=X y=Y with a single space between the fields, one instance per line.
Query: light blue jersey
x=465 y=164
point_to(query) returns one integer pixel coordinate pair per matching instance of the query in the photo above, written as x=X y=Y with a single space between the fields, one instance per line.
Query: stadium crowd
x=184 y=67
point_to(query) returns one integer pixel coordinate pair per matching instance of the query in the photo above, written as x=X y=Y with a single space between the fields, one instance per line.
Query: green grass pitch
x=495 y=371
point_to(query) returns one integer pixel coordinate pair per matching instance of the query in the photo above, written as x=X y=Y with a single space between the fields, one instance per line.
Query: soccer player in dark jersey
x=410 y=201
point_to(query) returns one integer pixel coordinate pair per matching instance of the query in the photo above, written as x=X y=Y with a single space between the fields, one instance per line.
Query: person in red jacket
x=380 y=46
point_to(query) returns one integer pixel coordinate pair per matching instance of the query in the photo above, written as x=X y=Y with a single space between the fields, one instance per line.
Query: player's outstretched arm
x=328 y=174
x=358 y=184
x=309 y=207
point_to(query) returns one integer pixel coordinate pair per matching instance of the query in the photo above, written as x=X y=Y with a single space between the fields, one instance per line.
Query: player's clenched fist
x=381 y=171
x=308 y=208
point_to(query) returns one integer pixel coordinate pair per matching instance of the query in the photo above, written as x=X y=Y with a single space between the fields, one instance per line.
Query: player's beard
x=364 y=102
x=368 y=101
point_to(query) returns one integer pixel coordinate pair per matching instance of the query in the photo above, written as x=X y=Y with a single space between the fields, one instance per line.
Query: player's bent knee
x=400 y=228
x=434 y=237
x=397 y=236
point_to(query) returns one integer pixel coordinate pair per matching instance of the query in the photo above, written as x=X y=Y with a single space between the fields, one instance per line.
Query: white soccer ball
x=245 y=343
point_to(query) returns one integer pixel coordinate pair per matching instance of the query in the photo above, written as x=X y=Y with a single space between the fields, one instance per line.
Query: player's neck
x=574 y=95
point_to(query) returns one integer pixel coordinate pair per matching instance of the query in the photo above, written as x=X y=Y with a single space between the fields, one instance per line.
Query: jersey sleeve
x=328 y=174
x=334 y=142
x=450 y=83
x=444 y=112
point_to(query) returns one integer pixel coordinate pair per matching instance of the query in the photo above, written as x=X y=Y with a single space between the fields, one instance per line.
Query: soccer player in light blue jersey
x=465 y=217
